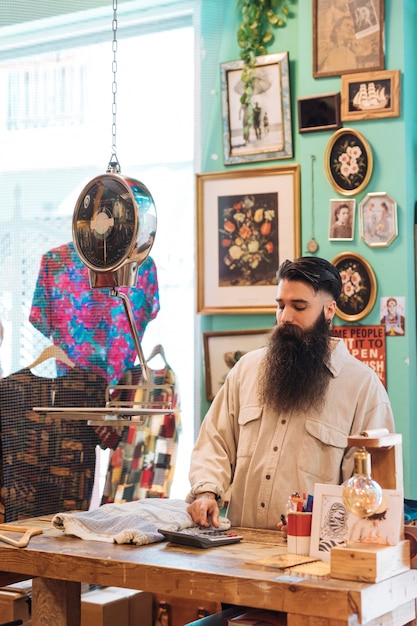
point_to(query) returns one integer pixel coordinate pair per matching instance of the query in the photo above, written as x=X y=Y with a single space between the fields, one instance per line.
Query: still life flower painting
x=348 y=161
x=248 y=239
x=358 y=293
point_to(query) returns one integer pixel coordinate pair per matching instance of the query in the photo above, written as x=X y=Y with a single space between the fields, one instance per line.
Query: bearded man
x=281 y=421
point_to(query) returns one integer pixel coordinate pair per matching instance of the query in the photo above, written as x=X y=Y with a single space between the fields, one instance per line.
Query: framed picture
x=342 y=220
x=248 y=222
x=392 y=314
x=358 y=287
x=372 y=95
x=348 y=161
x=334 y=525
x=270 y=134
x=223 y=349
x=317 y=113
x=378 y=220
x=348 y=37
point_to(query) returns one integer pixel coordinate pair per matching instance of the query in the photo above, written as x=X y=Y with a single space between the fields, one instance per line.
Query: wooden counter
x=59 y=563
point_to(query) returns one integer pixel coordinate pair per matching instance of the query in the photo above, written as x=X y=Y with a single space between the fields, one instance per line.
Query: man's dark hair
x=317 y=272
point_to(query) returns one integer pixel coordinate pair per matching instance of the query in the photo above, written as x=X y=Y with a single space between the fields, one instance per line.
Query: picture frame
x=348 y=161
x=222 y=349
x=347 y=37
x=247 y=223
x=359 y=287
x=319 y=113
x=392 y=313
x=378 y=219
x=342 y=219
x=372 y=95
x=334 y=525
x=272 y=137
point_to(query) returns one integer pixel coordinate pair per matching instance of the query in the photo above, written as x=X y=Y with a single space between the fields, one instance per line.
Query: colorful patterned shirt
x=90 y=325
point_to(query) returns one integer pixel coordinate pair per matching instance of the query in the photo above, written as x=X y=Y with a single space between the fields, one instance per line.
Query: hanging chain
x=313 y=158
x=114 y=162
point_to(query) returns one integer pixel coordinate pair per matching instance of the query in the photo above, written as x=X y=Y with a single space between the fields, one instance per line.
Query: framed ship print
x=372 y=95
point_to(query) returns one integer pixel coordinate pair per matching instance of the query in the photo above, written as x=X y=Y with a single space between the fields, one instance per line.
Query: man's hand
x=204 y=510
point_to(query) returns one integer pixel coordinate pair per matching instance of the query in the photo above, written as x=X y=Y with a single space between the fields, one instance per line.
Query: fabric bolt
x=47 y=464
x=131 y=522
x=90 y=325
x=266 y=456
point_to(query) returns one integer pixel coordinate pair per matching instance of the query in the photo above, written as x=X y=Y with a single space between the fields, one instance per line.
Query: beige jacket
x=264 y=456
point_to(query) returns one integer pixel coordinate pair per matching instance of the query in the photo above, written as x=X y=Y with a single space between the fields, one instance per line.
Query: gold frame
x=244 y=289
x=352 y=263
x=358 y=51
x=342 y=140
x=234 y=340
x=351 y=83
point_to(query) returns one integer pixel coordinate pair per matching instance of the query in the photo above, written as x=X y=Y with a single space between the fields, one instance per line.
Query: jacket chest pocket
x=322 y=451
x=249 y=421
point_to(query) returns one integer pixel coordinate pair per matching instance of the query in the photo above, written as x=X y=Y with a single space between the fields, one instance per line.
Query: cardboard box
x=114 y=606
x=369 y=562
x=410 y=533
x=14 y=605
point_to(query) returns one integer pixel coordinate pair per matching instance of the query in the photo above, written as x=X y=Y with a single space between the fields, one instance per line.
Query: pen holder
x=299 y=533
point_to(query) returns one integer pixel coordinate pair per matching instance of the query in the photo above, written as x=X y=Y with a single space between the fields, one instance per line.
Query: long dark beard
x=294 y=374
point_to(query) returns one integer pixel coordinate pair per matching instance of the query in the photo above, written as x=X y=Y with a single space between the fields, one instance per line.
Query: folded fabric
x=131 y=522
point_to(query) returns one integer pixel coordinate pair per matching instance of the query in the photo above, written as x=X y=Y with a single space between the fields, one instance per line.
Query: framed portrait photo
x=359 y=287
x=348 y=37
x=248 y=222
x=372 y=95
x=318 y=113
x=342 y=220
x=378 y=220
x=348 y=161
x=268 y=135
x=223 y=349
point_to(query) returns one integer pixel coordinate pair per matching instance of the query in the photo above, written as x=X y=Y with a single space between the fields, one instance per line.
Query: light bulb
x=362 y=495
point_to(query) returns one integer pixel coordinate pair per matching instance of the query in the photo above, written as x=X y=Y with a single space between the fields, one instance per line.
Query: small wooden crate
x=369 y=562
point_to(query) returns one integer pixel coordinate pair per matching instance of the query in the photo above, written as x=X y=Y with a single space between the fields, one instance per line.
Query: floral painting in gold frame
x=248 y=222
x=358 y=286
x=348 y=161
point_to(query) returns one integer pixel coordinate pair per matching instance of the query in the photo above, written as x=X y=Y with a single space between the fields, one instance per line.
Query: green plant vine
x=254 y=35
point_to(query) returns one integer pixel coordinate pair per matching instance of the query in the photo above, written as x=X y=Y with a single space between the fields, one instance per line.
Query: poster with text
x=368 y=344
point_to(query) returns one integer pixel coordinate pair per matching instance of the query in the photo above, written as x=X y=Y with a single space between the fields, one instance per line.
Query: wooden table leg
x=56 y=602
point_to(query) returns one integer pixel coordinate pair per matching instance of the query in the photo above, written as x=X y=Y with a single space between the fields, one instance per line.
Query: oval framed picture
x=348 y=161
x=359 y=288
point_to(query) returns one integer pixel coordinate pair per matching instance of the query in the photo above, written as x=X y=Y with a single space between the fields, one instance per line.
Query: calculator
x=201 y=537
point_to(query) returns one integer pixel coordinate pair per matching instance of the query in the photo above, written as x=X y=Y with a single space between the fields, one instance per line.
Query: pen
x=283 y=519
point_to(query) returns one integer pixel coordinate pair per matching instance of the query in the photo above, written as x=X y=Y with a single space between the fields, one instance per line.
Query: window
x=56 y=134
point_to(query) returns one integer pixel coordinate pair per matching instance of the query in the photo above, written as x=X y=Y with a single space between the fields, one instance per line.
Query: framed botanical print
x=359 y=288
x=348 y=161
x=248 y=222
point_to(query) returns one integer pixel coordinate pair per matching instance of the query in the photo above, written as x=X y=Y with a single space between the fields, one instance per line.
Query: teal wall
x=393 y=142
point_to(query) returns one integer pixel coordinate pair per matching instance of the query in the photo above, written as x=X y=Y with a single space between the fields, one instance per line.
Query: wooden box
x=14 y=605
x=369 y=562
x=114 y=606
x=410 y=533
